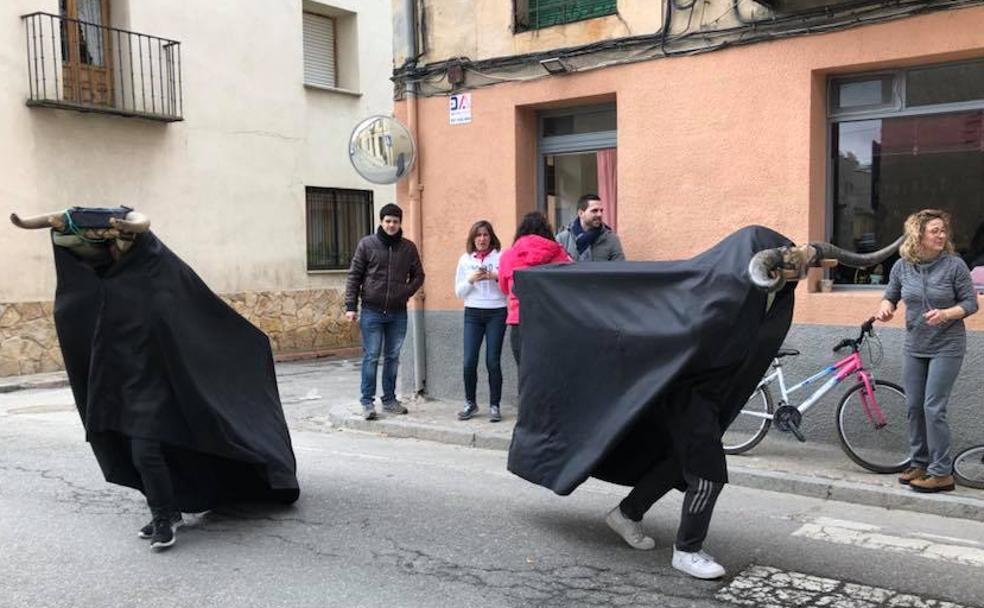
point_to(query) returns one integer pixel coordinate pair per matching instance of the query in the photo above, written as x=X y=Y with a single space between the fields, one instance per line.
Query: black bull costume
x=628 y=364
x=153 y=354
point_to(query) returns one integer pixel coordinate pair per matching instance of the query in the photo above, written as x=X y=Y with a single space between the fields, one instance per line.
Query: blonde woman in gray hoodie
x=938 y=293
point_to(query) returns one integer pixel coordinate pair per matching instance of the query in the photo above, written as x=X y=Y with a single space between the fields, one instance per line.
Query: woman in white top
x=477 y=282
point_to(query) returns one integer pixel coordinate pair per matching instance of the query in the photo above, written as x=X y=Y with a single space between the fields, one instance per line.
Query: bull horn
x=134 y=223
x=47 y=220
x=762 y=269
x=852 y=259
x=770 y=269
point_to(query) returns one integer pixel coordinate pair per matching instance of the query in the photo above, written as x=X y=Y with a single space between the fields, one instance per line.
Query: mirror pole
x=414 y=193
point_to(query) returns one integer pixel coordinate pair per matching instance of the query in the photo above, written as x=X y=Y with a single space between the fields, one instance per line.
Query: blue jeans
x=490 y=324
x=382 y=334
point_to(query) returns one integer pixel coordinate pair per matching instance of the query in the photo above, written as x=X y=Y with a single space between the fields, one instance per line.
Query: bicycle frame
x=851 y=364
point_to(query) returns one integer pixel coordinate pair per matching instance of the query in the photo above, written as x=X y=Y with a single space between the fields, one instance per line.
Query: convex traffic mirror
x=381 y=150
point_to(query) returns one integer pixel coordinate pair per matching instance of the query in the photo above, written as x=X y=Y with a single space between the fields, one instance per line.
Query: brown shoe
x=911 y=473
x=932 y=483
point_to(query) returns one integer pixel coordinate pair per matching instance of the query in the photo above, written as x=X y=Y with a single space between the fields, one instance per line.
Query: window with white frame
x=900 y=141
x=319 y=51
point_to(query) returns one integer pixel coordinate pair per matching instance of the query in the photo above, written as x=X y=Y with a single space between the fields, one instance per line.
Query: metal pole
x=416 y=204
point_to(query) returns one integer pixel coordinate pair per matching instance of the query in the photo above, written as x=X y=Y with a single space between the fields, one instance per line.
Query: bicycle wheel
x=882 y=448
x=968 y=467
x=747 y=429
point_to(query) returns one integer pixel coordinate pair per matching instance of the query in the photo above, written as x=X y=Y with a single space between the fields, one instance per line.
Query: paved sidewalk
x=322 y=395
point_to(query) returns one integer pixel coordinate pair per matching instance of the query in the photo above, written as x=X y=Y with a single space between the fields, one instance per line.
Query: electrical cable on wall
x=632 y=49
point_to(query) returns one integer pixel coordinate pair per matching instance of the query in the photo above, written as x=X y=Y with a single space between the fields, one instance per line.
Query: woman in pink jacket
x=533 y=245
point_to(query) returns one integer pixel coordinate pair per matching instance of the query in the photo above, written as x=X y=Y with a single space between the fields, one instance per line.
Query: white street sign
x=460 y=107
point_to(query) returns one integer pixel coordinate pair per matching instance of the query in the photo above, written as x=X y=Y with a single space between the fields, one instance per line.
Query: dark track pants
x=698 y=502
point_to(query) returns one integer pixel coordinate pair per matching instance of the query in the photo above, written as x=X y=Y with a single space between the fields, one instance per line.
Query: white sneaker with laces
x=699 y=564
x=630 y=531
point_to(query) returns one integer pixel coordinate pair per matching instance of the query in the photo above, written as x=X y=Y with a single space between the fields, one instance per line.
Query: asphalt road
x=393 y=522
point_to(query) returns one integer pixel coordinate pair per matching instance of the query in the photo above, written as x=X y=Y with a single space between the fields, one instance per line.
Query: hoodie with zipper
x=941 y=283
x=527 y=251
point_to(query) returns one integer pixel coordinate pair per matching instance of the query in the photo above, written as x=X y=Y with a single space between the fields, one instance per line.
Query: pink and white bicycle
x=871 y=416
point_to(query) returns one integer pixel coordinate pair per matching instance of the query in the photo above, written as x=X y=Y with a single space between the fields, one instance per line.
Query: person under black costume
x=176 y=390
x=675 y=349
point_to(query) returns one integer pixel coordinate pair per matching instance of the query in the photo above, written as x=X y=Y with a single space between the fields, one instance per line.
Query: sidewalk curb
x=23 y=383
x=944 y=505
x=400 y=426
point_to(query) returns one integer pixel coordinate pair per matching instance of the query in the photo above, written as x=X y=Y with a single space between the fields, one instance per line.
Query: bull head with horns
x=90 y=233
x=772 y=268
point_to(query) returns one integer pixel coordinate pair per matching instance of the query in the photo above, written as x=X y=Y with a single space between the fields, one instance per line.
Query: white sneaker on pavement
x=699 y=564
x=630 y=531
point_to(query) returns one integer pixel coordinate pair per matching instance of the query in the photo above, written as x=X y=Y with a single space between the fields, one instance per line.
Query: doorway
x=577 y=155
x=86 y=52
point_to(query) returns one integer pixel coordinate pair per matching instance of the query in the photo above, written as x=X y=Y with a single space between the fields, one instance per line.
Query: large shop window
x=903 y=141
x=336 y=220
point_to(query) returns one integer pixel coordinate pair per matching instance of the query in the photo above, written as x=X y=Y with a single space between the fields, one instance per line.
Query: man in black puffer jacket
x=385 y=273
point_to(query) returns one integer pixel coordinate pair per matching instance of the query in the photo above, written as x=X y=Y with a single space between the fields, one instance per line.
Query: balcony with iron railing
x=78 y=65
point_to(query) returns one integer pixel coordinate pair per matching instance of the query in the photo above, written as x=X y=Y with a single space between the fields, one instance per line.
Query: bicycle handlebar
x=866 y=328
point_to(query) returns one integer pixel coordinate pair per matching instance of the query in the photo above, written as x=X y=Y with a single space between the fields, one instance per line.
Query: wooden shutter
x=546 y=13
x=319 y=50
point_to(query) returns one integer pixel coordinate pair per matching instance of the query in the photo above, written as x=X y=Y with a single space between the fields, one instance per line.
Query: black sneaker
x=394 y=408
x=148 y=531
x=494 y=414
x=469 y=410
x=163 y=536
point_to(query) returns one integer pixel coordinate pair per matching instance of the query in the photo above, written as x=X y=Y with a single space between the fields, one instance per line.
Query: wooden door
x=87 y=71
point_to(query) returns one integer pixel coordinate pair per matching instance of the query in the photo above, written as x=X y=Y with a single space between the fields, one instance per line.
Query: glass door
x=86 y=52
x=577 y=156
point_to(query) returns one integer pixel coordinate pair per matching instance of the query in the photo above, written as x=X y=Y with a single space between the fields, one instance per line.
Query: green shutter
x=545 y=13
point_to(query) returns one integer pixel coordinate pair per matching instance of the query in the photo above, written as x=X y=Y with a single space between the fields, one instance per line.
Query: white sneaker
x=699 y=564
x=630 y=531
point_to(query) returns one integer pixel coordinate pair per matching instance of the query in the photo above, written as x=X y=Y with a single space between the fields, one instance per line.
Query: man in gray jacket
x=587 y=238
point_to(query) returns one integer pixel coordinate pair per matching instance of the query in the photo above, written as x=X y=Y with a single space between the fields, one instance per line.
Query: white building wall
x=225 y=187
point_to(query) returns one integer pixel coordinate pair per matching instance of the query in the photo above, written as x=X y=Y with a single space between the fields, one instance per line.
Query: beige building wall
x=482 y=29
x=753 y=151
x=224 y=188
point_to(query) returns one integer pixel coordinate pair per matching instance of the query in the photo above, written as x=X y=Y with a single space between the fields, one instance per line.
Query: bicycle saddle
x=787 y=352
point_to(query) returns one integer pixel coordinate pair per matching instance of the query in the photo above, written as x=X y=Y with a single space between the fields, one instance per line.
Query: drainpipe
x=413 y=190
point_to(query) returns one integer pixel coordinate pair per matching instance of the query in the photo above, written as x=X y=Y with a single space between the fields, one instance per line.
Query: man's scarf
x=389 y=241
x=584 y=238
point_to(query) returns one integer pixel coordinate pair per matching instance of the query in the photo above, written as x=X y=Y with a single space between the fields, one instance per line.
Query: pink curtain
x=607 y=185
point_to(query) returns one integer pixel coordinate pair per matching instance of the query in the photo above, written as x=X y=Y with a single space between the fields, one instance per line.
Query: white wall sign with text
x=460 y=107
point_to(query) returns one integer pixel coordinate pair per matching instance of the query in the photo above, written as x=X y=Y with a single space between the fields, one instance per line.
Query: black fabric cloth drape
x=152 y=353
x=626 y=364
